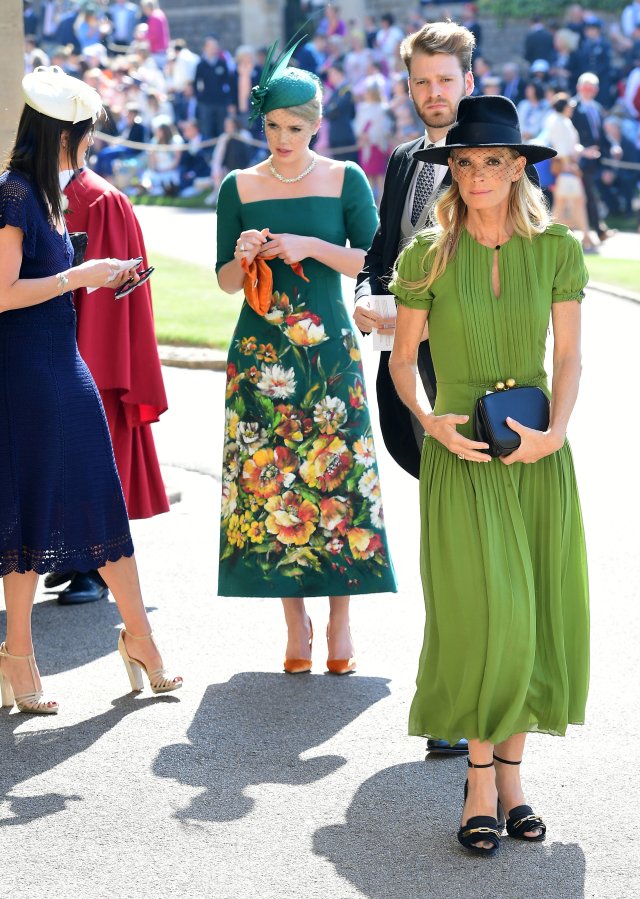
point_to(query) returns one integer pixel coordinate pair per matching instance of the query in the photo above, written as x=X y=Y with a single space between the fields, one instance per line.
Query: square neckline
x=287 y=199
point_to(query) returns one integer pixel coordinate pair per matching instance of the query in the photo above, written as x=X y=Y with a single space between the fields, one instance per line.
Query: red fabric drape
x=117 y=340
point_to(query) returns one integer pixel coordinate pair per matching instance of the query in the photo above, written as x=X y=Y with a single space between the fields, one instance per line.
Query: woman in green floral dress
x=301 y=503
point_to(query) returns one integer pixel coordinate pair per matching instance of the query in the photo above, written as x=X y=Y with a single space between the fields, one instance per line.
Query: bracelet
x=62 y=283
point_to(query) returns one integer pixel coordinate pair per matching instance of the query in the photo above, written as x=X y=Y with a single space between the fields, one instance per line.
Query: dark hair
x=166 y=132
x=36 y=152
x=538 y=89
x=560 y=102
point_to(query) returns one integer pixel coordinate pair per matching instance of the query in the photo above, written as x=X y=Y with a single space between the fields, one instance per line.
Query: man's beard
x=438 y=121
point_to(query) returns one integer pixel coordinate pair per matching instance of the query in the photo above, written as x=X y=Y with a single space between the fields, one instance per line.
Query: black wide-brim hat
x=490 y=121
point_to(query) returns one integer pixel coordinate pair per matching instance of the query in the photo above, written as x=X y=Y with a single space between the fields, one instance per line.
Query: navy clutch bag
x=528 y=405
x=79 y=241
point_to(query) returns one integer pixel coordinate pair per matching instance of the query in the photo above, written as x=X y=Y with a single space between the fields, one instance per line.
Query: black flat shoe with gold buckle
x=522 y=819
x=481 y=828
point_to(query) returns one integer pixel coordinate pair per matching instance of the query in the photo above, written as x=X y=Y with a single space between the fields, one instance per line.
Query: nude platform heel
x=159 y=680
x=29 y=703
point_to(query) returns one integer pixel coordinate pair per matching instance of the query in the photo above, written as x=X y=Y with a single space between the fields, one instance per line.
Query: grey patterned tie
x=424 y=188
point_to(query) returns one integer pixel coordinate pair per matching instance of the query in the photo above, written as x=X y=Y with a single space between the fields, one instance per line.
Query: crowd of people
x=159 y=91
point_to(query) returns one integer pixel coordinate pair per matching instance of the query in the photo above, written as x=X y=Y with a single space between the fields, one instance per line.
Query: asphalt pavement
x=249 y=783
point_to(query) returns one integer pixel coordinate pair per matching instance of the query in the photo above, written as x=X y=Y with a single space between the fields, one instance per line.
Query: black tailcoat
x=397 y=423
x=401 y=431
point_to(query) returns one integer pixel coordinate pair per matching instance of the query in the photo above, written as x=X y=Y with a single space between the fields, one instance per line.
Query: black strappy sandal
x=481 y=828
x=522 y=818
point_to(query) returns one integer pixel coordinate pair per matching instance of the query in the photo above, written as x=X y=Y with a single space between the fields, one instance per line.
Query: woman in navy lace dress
x=61 y=503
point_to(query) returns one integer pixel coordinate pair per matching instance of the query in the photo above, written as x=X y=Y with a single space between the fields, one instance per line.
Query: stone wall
x=503 y=43
x=500 y=44
x=194 y=19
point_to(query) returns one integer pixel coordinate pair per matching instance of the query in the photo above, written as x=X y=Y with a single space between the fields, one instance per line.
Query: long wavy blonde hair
x=528 y=211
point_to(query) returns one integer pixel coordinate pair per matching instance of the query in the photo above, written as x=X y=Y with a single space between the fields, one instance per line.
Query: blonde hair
x=311 y=111
x=440 y=37
x=567 y=39
x=527 y=211
x=372 y=90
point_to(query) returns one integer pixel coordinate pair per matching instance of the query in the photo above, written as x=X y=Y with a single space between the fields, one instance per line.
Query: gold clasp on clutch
x=505 y=385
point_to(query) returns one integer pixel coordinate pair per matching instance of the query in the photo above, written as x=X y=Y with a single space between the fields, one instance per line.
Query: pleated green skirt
x=504 y=572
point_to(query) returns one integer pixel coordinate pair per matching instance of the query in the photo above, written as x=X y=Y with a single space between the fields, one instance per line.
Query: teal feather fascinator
x=279 y=86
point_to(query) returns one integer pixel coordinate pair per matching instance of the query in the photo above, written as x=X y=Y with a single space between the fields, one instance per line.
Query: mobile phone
x=130 y=286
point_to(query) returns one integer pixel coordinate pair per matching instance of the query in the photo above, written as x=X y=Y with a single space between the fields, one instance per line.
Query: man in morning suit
x=538 y=42
x=438 y=59
x=339 y=112
x=588 y=120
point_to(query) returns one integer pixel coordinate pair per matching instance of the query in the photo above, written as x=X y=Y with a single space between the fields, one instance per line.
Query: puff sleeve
x=229 y=220
x=16 y=200
x=411 y=269
x=571 y=273
x=359 y=208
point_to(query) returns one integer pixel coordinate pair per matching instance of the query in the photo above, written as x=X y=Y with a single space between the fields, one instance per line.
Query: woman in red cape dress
x=116 y=339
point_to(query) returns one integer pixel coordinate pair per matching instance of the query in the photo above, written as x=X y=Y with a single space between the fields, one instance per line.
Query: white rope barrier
x=119 y=141
x=619 y=164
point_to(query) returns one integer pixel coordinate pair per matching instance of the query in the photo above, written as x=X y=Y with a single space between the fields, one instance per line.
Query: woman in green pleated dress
x=301 y=502
x=502 y=551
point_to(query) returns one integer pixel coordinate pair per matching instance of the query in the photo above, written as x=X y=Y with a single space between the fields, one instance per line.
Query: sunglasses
x=130 y=285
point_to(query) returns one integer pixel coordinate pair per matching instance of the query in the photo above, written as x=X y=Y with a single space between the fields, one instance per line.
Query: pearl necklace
x=276 y=173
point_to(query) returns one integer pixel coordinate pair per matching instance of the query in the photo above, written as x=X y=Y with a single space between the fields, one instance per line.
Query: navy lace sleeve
x=17 y=202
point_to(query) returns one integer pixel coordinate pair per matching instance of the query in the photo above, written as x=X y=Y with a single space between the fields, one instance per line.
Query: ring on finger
x=460 y=455
x=241 y=247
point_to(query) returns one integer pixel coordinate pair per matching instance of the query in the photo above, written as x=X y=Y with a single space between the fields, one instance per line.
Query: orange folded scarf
x=258 y=283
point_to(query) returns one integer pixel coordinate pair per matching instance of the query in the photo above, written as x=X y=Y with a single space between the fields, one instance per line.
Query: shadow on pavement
x=66 y=637
x=253 y=729
x=30 y=754
x=399 y=840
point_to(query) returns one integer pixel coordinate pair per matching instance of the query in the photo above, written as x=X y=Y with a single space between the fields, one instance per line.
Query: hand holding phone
x=117 y=266
x=130 y=285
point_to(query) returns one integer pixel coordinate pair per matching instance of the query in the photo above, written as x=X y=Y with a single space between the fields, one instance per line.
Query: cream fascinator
x=52 y=92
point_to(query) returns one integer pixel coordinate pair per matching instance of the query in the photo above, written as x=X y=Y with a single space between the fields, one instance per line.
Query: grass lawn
x=624 y=273
x=184 y=202
x=189 y=307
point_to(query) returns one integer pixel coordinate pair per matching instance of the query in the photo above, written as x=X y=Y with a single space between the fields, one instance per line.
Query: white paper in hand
x=119 y=266
x=384 y=305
